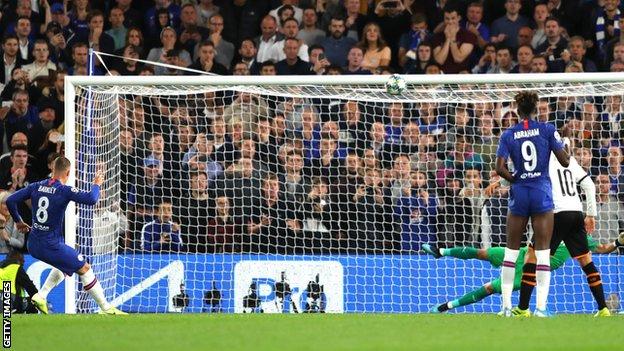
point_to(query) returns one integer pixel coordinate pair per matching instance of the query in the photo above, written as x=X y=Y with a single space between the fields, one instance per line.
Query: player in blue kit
x=49 y=200
x=529 y=144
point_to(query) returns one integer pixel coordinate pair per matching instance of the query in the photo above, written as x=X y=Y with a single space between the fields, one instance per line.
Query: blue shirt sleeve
x=83 y=197
x=554 y=140
x=16 y=198
x=503 y=148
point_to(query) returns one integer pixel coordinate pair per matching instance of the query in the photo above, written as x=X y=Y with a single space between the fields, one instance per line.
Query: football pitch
x=314 y=332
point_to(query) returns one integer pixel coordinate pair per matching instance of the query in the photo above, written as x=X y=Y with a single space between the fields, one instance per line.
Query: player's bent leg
x=469 y=298
x=92 y=286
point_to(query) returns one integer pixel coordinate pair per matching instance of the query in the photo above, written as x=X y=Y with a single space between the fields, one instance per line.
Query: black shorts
x=570 y=228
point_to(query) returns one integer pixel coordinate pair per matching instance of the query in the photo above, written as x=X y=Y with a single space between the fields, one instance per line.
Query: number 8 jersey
x=529 y=145
x=49 y=200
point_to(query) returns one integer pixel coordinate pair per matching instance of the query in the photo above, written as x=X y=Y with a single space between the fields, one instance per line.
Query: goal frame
x=71 y=82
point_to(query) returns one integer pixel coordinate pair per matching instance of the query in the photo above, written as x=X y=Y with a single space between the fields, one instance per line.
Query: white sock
x=91 y=285
x=508 y=272
x=54 y=278
x=542 y=277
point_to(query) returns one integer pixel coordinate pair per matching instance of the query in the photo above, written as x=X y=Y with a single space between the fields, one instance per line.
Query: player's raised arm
x=557 y=146
x=62 y=167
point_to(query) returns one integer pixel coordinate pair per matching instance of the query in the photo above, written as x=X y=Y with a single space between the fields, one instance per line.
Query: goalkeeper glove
x=619 y=242
x=504 y=182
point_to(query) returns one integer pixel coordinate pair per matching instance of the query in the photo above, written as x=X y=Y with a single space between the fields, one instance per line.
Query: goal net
x=316 y=194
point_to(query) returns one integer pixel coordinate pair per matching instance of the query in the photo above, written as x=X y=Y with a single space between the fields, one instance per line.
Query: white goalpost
x=294 y=194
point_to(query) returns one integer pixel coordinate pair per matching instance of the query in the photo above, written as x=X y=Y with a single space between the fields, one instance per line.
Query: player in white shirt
x=571 y=226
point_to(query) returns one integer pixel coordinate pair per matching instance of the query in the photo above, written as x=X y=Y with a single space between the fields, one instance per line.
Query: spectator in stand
x=369 y=204
x=241 y=19
x=39 y=130
x=568 y=13
x=576 y=54
x=539 y=64
x=355 y=59
x=19 y=138
x=617 y=66
x=487 y=140
x=10 y=58
x=151 y=19
x=604 y=26
x=505 y=29
x=240 y=69
x=224 y=234
x=189 y=33
x=393 y=19
x=327 y=164
x=525 y=36
x=487 y=61
x=290 y=29
x=318 y=59
x=474 y=24
x=162 y=234
x=267 y=39
x=503 y=62
x=376 y=52
x=23 y=30
x=612 y=116
x=130 y=65
x=267 y=68
x=319 y=226
x=270 y=221
x=473 y=192
x=610 y=219
x=118 y=30
x=309 y=33
x=352 y=127
x=410 y=41
x=193 y=212
x=337 y=45
x=400 y=179
x=132 y=17
x=452 y=48
x=293 y=64
x=541 y=13
x=24 y=9
x=610 y=46
x=298 y=13
x=222 y=145
x=424 y=58
x=247 y=54
x=615 y=170
x=41 y=66
x=524 y=57
x=206 y=60
x=97 y=39
x=555 y=43
x=172 y=58
x=224 y=49
x=134 y=36
x=205 y=9
x=20 y=173
x=22 y=116
x=168 y=39
x=246 y=108
x=430 y=121
x=417 y=210
x=463 y=157
x=395 y=128
x=80 y=52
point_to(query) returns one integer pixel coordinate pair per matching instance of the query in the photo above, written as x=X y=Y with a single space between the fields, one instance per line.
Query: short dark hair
x=18 y=147
x=552 y=18
x=95 y=13
x=289 y=19
x=8 y=37
x=61 y=164
x=315 y=46
x=206 y=42
x=527 y=103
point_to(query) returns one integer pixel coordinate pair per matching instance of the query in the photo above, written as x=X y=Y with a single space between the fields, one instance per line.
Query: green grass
x=191 y=332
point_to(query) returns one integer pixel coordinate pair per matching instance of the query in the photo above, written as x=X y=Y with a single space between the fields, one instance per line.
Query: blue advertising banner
x=333 y=284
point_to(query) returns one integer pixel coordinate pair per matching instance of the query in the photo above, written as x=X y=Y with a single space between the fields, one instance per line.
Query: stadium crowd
x=235 y=171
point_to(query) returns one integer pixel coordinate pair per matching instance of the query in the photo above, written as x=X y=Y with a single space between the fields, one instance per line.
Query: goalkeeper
x=495 y=256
